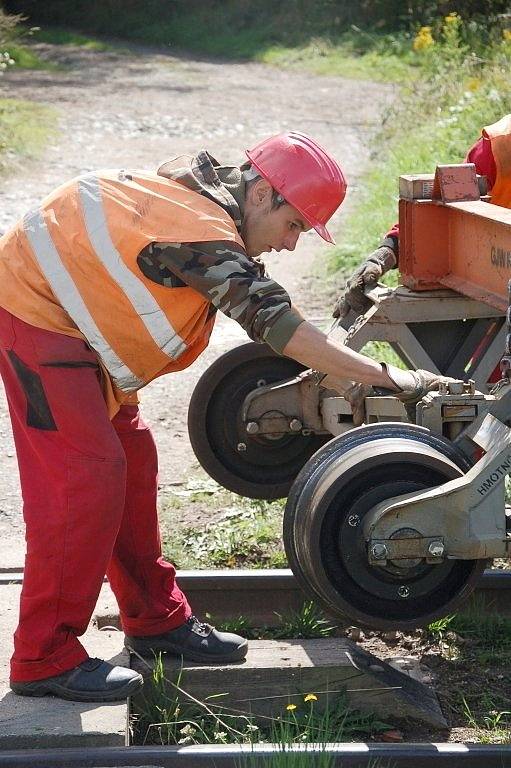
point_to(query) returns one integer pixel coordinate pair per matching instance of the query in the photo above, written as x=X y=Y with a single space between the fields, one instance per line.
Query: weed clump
x=168 y=714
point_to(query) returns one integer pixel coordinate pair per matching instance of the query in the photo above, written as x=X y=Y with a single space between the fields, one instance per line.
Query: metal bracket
x=430 y=548
x=286 y=406
x=470 y=510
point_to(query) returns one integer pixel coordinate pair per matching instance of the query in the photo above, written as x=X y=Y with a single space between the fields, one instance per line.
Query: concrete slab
x=277 y=673
x=48 y=722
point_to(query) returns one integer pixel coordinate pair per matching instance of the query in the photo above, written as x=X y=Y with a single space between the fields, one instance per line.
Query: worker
x=111 y=282
x=491 y=155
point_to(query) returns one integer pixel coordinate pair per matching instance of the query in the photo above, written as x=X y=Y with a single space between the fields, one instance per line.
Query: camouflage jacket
x=221 y=271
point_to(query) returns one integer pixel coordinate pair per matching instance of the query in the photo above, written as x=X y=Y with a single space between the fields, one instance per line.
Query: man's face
x=265 y=228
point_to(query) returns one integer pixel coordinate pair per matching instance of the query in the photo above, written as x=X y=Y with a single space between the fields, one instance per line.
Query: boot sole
x=238 y=654
x=40 y=688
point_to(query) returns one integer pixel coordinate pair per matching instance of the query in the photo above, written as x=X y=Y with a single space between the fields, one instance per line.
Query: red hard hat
x=304 y=174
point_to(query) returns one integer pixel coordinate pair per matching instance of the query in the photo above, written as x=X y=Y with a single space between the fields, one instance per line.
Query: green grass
x=490 y=717
x=476 y=646
x=58 y=36
x=248 y=535
x=24 y=129
x=308 y=623
x=26 y=58
x=24 y=126
x=356 y=54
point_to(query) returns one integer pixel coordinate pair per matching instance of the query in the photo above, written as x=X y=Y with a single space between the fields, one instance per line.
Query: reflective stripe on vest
x=142 y=300
x=77 y=257
x=66 y=292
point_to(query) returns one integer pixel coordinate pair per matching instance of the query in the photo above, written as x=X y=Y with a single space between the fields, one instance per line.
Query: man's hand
x=366 y=276
x=356 y=397
x=413 y=385
x=410 y=387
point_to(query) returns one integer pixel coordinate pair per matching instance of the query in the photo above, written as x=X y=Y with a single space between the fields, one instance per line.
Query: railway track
x=208 y=756
x=262 y=594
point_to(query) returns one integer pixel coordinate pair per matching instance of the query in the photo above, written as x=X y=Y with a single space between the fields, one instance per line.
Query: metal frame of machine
x=391 y=523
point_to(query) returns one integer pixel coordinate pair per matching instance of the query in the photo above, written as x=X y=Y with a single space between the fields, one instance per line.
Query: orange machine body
x=456 y=240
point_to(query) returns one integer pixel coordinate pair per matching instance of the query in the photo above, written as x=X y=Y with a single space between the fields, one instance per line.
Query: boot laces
x=198 y=626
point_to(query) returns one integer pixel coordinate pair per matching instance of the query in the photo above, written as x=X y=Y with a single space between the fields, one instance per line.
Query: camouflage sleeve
x=235 y=284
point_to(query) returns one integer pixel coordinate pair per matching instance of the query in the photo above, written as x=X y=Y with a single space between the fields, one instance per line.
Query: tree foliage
x=296 y=17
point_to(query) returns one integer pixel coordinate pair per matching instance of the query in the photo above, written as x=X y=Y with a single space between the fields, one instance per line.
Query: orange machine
x=455 y=239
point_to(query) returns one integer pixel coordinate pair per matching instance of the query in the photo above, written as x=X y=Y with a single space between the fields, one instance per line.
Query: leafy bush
x=242 y=27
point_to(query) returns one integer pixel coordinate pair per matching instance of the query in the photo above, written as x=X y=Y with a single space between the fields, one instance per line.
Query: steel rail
x=360 y=755
x=262 y=594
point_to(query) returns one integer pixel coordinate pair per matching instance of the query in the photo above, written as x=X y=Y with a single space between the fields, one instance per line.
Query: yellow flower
x=291 y=707
x=452 y=18
x=310 y=697
x=473 y=83
x=506 y=34
x=423 y=39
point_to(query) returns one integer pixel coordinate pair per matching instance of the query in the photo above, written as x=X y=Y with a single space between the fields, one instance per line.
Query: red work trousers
x=89 y=489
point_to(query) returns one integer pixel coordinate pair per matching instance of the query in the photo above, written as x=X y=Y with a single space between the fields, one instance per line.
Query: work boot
x=92 y=680
x=194 y=640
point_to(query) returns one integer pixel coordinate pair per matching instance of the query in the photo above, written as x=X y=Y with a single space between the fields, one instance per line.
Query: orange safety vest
x=70 y=266
x=500 y=136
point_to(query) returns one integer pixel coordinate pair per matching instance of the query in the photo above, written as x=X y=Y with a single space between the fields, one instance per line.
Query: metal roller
x=231 y=450
x=324 y=528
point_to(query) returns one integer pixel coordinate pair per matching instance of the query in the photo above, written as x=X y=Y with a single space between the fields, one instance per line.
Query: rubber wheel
x=267 y=467
x=323 y=528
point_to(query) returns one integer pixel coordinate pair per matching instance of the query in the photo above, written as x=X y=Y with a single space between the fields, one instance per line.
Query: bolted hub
x=406 y=533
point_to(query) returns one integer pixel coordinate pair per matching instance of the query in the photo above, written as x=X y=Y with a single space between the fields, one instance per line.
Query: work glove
x=366 y=276
x=356 y=397
x=411 y=386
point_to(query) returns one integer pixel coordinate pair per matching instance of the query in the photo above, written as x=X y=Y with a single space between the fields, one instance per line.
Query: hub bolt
x=379 y=551
x=436 y=548
x=353 y=520
x=252 y=427
x=241 y=447
x=295 y=425
x=403 y=592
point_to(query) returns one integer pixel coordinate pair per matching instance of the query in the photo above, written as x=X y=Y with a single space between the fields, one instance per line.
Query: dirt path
x=119 y=109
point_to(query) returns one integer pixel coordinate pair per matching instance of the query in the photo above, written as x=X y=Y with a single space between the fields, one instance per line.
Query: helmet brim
x=323 y=232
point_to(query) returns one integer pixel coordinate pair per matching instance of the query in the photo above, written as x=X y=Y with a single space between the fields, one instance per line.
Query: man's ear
x=260 y=192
